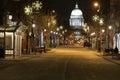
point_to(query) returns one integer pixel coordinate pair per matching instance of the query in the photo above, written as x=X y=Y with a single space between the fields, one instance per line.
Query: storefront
x=11 y=40
x=116 y=41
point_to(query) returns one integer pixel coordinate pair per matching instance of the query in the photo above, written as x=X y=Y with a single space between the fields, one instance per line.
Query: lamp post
x=62 y=34
x=61 y=27
x=51 y=39
x=30 y=11
x=97 y=30
x=51 y=23
x=109 y=28
x=9 y=19
x=97 y=5
x=100 y=21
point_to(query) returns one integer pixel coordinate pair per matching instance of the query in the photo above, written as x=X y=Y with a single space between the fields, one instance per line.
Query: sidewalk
x=109 y=58
x=24 y=56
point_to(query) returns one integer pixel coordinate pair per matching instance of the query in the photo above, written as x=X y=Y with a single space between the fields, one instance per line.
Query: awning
x=8 y=28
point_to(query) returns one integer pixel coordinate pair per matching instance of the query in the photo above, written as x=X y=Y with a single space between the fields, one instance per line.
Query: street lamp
x=45 y=30
x=109 y=28
x=61 y=27
x=9 y=20
x=10 y=17
x=51 y=26
x=103 y=30
x=33 y=25
x=58 y=29
x=100 y=22
x=29 y=11
x=65 y=30
x=97 y=5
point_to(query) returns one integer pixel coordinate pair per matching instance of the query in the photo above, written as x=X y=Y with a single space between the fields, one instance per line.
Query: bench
x=40 y=49
x=115 y=53
x=108 y=52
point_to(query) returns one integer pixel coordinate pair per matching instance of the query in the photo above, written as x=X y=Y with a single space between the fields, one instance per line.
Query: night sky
x=63 y=8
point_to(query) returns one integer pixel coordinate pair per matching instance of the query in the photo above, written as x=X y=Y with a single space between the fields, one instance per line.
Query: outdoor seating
x=41 y=49
x=115 y=53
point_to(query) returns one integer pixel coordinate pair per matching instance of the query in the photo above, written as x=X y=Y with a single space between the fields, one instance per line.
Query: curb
x=109 y=58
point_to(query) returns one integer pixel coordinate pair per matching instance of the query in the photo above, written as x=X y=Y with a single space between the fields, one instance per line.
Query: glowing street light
x=33 y=25
x=53 y=11
x=10 y=17
x=58 y=29
x=109 y=39
x=110 y=27
x=103 y=30
x=45 y=30
x=65 y=30
x=61 y=27
x=51 y=31
x=97 y=5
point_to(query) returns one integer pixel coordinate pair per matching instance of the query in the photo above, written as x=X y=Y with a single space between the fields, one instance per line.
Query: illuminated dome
x=76 y=11
x=76 y=19
x=76 y=22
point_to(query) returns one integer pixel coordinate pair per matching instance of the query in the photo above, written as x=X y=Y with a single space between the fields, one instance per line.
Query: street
x=61 y=64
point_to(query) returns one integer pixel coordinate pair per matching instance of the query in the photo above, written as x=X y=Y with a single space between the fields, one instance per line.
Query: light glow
x=76 y=11
x=28 y=10
x=37 y=5
x=101 y=21
x=110 y=27
x=33 y=25
x=10 y=17
x=103 y=30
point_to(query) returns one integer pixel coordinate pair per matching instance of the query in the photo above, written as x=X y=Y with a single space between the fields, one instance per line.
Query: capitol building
x=76 y=22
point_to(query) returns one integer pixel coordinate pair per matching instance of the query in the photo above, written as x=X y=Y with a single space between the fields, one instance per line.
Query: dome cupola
x=76 y=11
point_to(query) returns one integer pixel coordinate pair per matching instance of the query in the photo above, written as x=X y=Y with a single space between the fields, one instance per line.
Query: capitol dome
x=76 y=18
x=76 y=11
x=76 y=22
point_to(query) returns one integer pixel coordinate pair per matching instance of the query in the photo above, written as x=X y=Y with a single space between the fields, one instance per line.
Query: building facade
x=76 y=22
x=15 y=41
x=115 y=22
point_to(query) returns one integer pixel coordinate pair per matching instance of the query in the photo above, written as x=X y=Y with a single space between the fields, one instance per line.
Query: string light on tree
x=101 y=21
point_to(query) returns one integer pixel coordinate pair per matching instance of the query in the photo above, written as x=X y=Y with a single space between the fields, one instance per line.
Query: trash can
x=2 y=53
